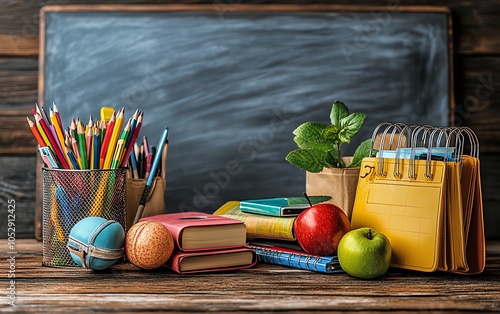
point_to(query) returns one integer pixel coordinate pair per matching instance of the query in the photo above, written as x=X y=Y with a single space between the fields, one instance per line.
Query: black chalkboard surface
x=232 y=87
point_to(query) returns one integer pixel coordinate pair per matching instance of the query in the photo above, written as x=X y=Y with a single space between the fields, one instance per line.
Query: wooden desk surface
x=262 y=289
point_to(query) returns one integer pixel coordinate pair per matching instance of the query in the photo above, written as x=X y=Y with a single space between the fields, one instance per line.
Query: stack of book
x=270 y=234
x=206 y=243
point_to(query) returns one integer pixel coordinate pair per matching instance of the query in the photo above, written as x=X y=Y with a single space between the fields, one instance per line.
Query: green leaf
x=302 y=200
x=331 y=132
x=361 y=152
x=310 y=131
x=311 y=160
x=304 y=144
x=350 y=125
x=339 y=112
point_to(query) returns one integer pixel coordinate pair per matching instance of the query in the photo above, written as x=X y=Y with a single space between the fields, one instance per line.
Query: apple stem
x=307 y=198
x=369 y=234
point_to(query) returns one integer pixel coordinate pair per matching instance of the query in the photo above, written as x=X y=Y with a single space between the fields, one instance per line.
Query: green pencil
x=82 y=145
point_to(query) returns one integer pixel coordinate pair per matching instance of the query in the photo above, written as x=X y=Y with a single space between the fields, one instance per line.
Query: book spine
x=260 y=226
x=320 y=264
x=261 y=209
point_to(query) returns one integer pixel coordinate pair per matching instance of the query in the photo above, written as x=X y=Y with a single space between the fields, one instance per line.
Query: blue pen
x=149 y=181
x=157 y=159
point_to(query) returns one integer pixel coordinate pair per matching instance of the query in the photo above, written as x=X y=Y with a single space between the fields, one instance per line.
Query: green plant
x=319 y=144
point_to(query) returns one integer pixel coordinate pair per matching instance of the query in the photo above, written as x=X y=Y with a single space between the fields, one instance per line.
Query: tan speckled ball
x=148 y=244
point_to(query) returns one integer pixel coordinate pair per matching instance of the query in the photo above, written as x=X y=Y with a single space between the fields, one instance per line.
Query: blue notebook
x=280 y=206
x=296 y=259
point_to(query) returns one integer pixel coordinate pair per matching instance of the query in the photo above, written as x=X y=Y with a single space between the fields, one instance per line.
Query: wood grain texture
x=478 y=99
x=18 y=82
x=490 y=172
x=262 y=289
x=477 y=22
x=17 y=184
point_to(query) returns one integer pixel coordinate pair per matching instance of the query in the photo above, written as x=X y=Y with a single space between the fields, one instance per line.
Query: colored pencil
x=42 y=113
x=82 y=146
x=72 y=128
x=74 y=145
x=131 y=143
x=55 y=148
x=102 y=131
x=36 y=133
x=89 y=134
x=72 y=158
x=97 y=147
x=58 y=116
x=113 y=140
x=120 y=145
x=105 y=144
x=59 y=134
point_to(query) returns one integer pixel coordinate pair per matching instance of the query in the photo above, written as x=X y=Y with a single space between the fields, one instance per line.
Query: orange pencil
x=105 y=143
x=35 y=132
x=40 y=130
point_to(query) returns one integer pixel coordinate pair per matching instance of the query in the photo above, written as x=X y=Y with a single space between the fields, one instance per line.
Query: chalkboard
x=233 y=85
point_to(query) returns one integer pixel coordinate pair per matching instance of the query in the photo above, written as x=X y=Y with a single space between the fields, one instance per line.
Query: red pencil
x=47 y=132
x=132 y=140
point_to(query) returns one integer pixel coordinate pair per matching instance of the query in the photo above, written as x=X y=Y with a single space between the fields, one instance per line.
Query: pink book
x=211 y=261
x=195 y=231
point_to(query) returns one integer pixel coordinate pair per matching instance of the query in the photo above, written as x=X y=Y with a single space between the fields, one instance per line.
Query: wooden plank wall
x=477 y=91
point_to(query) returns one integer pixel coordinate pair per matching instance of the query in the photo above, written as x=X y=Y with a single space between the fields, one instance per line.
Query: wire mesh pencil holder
x=72 y=195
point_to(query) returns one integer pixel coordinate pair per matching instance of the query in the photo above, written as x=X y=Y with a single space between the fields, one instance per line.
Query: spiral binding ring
x=452 y=139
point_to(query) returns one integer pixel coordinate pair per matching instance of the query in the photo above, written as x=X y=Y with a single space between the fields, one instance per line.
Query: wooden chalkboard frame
x=230 y=9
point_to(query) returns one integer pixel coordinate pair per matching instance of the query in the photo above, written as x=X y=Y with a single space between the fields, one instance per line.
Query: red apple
x=320 y=227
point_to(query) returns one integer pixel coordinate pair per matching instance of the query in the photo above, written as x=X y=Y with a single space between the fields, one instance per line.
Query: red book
x=195 y=231
x=211 y=261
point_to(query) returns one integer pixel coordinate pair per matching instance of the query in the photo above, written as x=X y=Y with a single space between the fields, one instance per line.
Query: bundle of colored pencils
x=100 y=144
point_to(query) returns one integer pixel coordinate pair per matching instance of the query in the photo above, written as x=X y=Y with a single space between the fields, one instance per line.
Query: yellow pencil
x=118 y=153
x=42 y=133
x=114 y=139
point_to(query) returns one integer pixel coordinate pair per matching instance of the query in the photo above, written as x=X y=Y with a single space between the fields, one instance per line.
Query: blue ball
x=96 y=243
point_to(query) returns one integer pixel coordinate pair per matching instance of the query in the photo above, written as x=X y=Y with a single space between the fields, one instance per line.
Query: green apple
x=364 y=253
